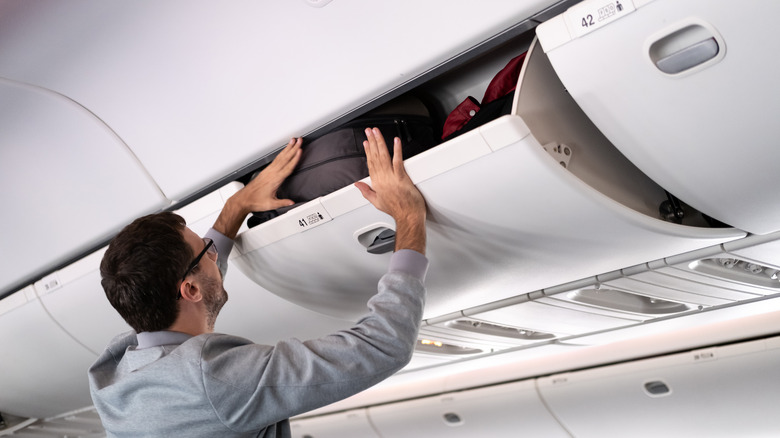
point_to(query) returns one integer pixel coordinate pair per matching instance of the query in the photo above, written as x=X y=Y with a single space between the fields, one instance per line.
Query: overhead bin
x=665 y=396
x=75 y=300
x=69 y=218
x=44 y=369
x=502 y=410
x=687 y=90
x=505 y=218
x=247 y=298
x=350 y=424
x=75 y=289
x=174 y=80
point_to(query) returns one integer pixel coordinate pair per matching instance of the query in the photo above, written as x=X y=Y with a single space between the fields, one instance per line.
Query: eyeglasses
x=210 y=248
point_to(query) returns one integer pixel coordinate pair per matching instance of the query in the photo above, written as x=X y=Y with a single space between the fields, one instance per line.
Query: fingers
x=398 y=159
x=366 y=191
x=377 y=154
x=278 y=203
x=289 y=156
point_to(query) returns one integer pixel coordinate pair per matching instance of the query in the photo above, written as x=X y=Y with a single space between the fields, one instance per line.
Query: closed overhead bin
x=531 y=200
x=74 y=298
x=687 y=90
x=46 y=374
x=715 y=392
x=512 y=409
x=349 y=424
x=58 y=181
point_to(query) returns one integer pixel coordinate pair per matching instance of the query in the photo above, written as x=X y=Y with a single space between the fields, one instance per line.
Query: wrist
x=410 y=233
x=231 y=217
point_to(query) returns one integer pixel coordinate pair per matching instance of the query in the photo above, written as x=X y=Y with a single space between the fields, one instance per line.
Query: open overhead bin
x=687 y=90
x=505 y=217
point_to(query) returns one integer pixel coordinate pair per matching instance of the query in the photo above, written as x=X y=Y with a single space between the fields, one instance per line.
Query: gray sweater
x=217 y=385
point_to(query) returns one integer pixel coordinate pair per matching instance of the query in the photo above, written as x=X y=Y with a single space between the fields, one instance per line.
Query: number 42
x=587 y=21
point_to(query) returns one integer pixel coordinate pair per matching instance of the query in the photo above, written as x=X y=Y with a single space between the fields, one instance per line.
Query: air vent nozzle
x=742 y=271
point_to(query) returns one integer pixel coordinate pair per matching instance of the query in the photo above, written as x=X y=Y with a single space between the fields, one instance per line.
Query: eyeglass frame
x=209 y=245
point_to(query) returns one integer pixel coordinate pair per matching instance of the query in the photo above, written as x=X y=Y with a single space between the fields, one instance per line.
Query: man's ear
x=190 y=291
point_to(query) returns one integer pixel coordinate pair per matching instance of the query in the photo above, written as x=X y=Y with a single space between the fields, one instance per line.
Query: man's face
x=209 y=278
x=214 y=297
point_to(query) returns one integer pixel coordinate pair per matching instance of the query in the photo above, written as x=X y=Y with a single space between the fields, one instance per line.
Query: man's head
x=143 y=267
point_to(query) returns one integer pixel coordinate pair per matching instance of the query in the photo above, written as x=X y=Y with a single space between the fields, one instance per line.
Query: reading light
x=438 y=347
x=429 y=342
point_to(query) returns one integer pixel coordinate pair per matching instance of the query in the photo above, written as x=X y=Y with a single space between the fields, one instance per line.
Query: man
x=172 y=376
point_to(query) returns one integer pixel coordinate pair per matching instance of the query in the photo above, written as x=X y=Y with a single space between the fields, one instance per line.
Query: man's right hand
x=393 y=192
x=260 y=193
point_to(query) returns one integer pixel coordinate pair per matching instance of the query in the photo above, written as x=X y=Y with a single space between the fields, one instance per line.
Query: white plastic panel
x=63 y=172
x=78 y=293
x=716 y=277
x=718 y=392
x=188 y=85
x=498 y=411
x=498 y=203
x=678 y=293
x=766 y=253
x=486 y=336
x=515 y=239
x=43 y=371
x=554 y=318
x=70 y=292
x=351 y=424
x=712 y=326
x=684 y=131
x=619 y=303
x=263 y=317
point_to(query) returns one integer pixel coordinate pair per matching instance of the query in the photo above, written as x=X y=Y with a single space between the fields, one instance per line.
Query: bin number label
x=310 y=219
x=592 y=14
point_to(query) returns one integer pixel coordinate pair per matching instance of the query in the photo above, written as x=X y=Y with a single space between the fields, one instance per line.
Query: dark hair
x=142 y=268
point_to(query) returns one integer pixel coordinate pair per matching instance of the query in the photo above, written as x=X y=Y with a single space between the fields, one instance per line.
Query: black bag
x=337 y=159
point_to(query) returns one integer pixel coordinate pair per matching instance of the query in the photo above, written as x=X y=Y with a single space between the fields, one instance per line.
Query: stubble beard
x=215 y=297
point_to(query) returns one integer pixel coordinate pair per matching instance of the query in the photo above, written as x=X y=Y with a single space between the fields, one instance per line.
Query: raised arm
x=393 y=192
x=260 y=193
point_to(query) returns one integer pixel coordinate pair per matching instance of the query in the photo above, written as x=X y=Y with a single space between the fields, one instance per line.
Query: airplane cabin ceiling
x=194 y=92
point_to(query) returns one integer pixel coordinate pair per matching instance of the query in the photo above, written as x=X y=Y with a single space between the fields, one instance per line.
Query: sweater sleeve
x=251 y=386
x=224 y=246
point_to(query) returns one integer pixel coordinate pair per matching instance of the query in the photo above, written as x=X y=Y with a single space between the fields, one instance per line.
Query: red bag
x=502 y=84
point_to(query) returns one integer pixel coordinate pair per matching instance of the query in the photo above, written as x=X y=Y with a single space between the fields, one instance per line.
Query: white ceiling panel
x=67 y=182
